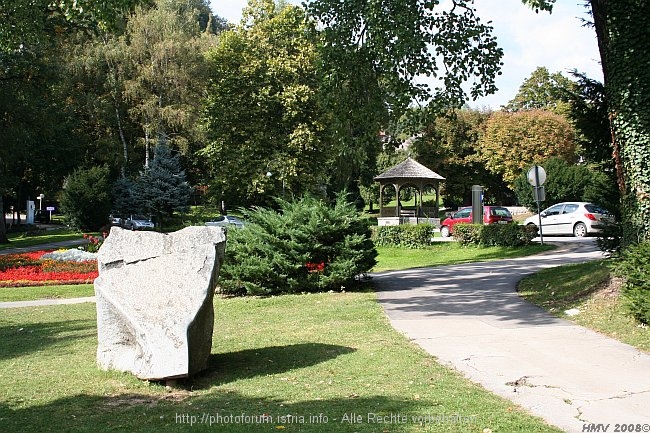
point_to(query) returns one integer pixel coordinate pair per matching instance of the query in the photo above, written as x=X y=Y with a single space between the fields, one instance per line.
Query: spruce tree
x=162 y=187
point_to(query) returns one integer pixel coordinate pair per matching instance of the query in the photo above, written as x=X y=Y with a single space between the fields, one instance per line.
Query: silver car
x=226 y=221
x=571 y=218
x=138 y=222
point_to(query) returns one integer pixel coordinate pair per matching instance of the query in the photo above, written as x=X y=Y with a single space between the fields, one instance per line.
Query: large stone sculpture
x=154 y=301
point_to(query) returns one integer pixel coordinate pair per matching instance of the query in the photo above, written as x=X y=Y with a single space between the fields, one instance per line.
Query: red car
x=491 y=215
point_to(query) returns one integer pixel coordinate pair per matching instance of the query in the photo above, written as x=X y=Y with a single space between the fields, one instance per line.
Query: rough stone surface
x=154 y=301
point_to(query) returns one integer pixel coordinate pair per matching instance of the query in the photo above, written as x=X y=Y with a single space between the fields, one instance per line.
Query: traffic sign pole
x=539 y=213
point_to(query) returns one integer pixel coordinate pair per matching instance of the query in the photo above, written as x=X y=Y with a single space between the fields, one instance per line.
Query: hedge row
x=500 y=235
x=405 y=236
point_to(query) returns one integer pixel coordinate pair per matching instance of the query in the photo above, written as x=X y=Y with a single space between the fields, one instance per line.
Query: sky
x=557 y=41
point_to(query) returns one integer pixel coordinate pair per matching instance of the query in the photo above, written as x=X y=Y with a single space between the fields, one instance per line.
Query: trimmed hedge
x=498 y=235
x=404 y=236
x=468 y=234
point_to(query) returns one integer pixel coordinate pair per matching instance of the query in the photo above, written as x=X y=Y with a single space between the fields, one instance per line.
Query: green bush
x=609 y=237
x=506 y=235
x=405 y=236
x=307 y=246
x=86 y=198
x=499 y=235
x=634 y=267
x=468 y=234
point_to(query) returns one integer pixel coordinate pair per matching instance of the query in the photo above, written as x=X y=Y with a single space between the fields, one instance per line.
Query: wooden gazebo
x=408 y=173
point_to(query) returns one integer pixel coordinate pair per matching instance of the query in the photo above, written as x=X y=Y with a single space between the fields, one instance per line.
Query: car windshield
x=140 y=217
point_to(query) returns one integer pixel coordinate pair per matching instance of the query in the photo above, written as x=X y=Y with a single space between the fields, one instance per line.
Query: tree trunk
x=623 y=29
x=3 y=226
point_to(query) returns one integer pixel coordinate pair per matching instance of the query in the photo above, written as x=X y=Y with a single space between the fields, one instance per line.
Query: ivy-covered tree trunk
x=623 y=30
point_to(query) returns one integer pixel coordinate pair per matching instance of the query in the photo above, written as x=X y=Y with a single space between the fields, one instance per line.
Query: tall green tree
x=544 y=91
x=622 y=29
x=36 y=146
x=164 y=47
x=449 y=145
x=373 y=57
x=262 y=111
x=566 y=181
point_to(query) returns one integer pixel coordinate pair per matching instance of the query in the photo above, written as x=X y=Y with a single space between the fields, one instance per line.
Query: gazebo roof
x=409 y=169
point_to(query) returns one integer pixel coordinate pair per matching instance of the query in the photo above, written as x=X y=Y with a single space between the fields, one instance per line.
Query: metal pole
x=539 y=214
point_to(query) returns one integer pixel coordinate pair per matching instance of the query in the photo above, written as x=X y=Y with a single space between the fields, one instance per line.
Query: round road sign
x=540 y=178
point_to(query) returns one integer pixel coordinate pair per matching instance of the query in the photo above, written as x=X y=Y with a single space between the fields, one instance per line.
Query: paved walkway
x=43 y=302
x=50 y=246
x=470 y=318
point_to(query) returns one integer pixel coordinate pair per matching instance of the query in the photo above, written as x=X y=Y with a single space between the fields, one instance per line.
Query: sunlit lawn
x=301 y=361
x=584 y=287
x=447 y=253
x=19 y=240
x=8 y=294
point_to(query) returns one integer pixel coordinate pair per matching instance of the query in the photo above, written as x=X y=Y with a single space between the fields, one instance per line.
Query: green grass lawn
x=307 y=358
x=447 y=253
x=19 y=240
x=8 y=294
x=585 y=287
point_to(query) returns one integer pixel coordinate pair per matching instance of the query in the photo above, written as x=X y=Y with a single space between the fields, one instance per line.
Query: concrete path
x=50 y=246
x=44 y=302
x=471 y=318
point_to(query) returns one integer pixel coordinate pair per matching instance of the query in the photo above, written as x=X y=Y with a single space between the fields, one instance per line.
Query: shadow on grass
x=216 y=411
x=18 y=340
x=231 y=366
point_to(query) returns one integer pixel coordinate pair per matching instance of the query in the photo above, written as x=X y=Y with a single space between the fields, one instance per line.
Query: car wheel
x=580 y=230
x=444 y=231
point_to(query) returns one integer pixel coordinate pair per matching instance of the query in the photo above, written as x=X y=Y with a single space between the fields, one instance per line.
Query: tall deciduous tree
x=622 y=28
x=262 y=111
x=164 y=46
x=33 y=131
x=512 y=142
x=544 y=91
x=448 y=146
x=376 y=58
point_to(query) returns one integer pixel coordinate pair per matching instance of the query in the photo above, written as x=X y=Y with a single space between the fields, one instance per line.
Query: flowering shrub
x=32 y=269
x=315 y=267
x=94 y=242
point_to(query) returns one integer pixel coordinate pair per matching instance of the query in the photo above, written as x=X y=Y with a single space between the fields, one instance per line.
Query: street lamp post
x=270 y=174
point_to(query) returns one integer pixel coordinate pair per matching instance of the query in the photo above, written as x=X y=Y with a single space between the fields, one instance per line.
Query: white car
x=571 y=218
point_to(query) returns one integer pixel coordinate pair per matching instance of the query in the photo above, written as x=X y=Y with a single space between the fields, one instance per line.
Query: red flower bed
x=29 y=269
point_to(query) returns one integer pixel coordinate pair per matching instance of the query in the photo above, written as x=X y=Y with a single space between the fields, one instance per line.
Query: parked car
x=491 y=215
x=226 y=221
x=138 y=222
x=571 y=218
x=116 y=221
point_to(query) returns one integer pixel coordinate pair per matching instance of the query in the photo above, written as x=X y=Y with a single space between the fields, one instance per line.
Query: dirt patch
x=610 y=288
